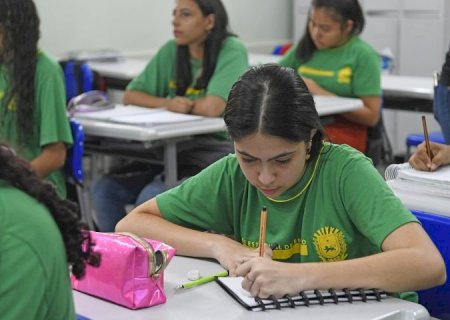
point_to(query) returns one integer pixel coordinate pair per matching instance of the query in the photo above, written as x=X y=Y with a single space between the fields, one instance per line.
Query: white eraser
x=193 y=275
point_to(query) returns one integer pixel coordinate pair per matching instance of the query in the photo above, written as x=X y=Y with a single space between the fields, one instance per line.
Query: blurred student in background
x=334 y=60
x=32 y=98
x=191 y=74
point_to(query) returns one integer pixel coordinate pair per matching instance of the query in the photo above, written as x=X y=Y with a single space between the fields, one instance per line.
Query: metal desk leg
x=170 y=163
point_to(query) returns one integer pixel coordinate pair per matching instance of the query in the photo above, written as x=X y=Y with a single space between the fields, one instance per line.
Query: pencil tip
x=180 y=286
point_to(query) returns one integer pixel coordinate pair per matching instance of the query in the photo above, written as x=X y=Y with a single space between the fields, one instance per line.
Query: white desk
x=406 y=86
x=169 y=135
x=209 y=301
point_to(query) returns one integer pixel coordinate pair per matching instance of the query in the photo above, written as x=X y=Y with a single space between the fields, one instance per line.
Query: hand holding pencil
x=428 y=155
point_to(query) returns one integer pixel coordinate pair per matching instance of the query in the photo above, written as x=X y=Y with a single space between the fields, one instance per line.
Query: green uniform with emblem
x=49 y=118
x=34 y=275
x=340 y=209
x=158 y=77
x=351 y=70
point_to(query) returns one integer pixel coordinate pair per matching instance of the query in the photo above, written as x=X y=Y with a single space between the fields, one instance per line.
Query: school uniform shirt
x=351 y=70
x=158 y=77
x=342 y=209
x=50 y=119
x=34 y=275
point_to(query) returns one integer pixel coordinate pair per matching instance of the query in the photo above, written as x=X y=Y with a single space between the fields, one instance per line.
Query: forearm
x=187 y=242
x=143 y=99
x=394 y=271
x=210 y=106
x=368 y=115
x=52 y=158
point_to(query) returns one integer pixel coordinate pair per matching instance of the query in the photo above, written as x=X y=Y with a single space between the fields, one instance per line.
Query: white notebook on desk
x=421 y=190
x=138 y=115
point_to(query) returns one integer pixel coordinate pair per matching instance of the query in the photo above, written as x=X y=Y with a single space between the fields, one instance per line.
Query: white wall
x=141 y=26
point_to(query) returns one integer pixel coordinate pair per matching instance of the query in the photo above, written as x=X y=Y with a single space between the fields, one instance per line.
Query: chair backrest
x=74 y=162
x=379 y=147
x=437 y=300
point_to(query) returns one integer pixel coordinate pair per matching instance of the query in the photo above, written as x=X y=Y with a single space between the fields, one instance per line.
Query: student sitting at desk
x=333 y=60
x=191 y=74
x=39 y=235
x=32 y=97
x=329 y=211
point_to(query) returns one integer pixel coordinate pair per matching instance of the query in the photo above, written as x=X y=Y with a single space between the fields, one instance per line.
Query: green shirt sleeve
x=231 y=63
x=155 y=78
x=368 y=199
x=289 y=59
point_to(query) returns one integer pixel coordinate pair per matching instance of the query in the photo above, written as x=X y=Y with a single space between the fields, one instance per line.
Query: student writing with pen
x=336 y=222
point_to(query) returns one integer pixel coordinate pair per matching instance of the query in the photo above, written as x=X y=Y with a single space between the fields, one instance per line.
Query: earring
x=308 y=153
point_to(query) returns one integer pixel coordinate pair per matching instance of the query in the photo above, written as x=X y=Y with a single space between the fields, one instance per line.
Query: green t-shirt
x=352 y=70
x=50 y=119
x=346 y=212
x=158 y=77
x=34 y=275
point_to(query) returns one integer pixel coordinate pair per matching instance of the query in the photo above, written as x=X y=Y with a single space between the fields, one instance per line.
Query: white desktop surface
x=407 y=86
x=209 y=301
x=392 y=85
x=125 y=69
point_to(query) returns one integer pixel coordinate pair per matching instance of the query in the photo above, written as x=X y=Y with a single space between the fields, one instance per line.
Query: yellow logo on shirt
x=189 y=91
x=344 y=75
x=330 y=244
x=285 y=251
x=303 y=70
x=12 y=106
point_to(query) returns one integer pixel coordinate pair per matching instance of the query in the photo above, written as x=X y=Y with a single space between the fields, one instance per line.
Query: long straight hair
x=344 y=10
x=19 y=24
x=212 y=47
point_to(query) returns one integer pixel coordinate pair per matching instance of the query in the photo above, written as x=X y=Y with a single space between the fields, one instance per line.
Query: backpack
x=80 y=78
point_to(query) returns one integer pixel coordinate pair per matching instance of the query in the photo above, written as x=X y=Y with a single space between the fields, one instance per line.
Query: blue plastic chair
x=74 y=170
x=437 y=300
x=414 y=139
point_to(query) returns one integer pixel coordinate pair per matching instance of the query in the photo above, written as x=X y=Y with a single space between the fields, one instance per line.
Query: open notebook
x=232 y=285
x=420 y=190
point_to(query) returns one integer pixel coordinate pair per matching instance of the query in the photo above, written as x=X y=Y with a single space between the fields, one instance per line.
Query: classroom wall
x=139 y=27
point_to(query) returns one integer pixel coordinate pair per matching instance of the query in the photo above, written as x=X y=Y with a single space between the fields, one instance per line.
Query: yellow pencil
x=262 y=231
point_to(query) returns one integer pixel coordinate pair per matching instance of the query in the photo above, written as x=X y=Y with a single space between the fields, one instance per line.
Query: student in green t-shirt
x=32 y=95
x=334 y=60
x=192 y=73
x=40 y=235
x=335 y=222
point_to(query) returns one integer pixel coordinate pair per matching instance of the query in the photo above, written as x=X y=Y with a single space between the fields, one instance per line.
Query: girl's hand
x=264 y=277
x=420 y=160
x=232 y=254
x=180 y=105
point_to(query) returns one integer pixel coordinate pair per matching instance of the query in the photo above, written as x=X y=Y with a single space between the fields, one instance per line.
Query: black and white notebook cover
x=232 y=285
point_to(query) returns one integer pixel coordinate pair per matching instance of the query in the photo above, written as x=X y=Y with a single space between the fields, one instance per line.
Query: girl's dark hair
x=212 y=46
x=77 y=242
x=343 y=10
x=275 y=101
x=19 y=25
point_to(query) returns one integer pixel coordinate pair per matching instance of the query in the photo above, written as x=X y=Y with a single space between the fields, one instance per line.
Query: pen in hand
x=427 y=140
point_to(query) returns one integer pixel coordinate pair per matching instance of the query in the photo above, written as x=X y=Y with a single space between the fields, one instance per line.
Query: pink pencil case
x=130 y=272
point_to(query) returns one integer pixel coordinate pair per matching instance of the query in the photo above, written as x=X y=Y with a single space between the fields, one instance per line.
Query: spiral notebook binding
x=304 y=298
x=319 y=297
x=349 y=295
x=363 y=295
x=275 y=302
x=291 y=302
